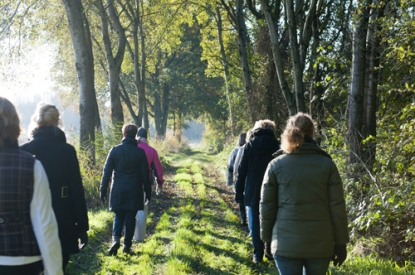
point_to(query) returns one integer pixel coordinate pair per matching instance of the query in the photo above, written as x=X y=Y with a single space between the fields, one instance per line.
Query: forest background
x=228 y=63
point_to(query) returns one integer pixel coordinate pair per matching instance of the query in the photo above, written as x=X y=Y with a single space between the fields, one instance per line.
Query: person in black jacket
x=127 y=164
x=230 y=179
x=256 y=155
x=59 y=159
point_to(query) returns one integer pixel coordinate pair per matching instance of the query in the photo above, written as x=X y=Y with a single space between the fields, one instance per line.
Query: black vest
x=17 y=237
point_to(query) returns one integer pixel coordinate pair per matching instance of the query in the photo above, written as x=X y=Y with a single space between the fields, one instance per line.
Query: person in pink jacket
x=154 y=164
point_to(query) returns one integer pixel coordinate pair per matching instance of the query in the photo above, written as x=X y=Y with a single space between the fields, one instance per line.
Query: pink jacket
x=153 y=160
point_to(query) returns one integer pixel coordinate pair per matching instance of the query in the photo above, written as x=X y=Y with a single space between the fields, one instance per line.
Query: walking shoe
x=114 y=248
x=256 y=261
x=126 y=250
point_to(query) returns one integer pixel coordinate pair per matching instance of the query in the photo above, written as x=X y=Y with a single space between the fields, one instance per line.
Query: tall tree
x=135 y=43
x=81 y=40
x=357 y=85
x=114 y=62
x=272 y=15
x=226 y=75
x=237 y=16
x=371 y=82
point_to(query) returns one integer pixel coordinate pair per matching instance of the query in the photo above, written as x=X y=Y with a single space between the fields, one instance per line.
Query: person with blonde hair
x=303 y=213
x=48 y=144
x=256 y=155
x=127 y=165
x=29 y=242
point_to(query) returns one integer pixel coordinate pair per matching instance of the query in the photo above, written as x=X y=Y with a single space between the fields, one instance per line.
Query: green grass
x=198 y=233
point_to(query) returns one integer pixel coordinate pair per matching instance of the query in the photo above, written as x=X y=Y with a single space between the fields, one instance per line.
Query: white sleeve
x=44 y=223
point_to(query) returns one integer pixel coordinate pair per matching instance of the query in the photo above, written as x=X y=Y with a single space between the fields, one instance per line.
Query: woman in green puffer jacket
x=302 y=208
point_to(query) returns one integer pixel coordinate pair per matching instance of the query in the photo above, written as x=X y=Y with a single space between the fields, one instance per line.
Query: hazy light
x=28 y=78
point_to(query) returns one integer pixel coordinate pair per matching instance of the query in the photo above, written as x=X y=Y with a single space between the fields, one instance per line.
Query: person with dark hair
x=48 y=144
x=127 y=165
x=231 y=176
x=303 y=212
x=256 y=155
x=29 y=242
x=154 y=164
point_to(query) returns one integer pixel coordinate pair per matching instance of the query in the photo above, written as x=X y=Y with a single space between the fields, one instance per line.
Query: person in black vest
x=256 y=155
x=29 y=242
x=127 y=164
x=49 y=145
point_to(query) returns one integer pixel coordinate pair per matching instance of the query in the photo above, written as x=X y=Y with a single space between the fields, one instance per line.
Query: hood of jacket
x=263 y=140
x=49 y=132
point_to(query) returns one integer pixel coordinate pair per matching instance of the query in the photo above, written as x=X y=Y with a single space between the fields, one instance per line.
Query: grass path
x=192 y=229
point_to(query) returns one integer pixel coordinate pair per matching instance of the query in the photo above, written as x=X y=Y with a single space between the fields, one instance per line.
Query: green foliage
x=381 y=201
x=213 y=138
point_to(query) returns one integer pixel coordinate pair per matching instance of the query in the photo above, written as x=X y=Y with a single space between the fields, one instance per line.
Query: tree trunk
x=372 y=77
x=143 y=101
x=356 y=93
x=279 y=66
x=165 y=109
x=243 y=52
x=84 y=62
x=225 y=69
x=114 y=62
x=295 y=55
x=316 y=91
x=161 y=102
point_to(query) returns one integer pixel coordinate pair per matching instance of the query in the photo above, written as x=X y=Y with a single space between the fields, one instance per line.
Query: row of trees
x=230 y=62
x=234 y=61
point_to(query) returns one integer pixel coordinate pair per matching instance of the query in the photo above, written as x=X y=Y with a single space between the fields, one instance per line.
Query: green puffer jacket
x=302 y=208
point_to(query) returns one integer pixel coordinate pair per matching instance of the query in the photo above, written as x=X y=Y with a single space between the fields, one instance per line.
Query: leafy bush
x=381 y=201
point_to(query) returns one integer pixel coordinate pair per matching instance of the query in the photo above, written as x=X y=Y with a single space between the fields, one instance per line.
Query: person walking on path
x=153 y=160
x=256 y=155
x=29 y=242
x=59 y=159
x=303 y=212
x=127 y=165
x=231 y=176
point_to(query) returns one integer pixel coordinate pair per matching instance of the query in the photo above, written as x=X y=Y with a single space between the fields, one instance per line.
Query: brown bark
x=278 y=60
x=371 y=82
x=84 y=62
x=114 y=62
x=238 y=19
x=225 y=68
x=356 y=93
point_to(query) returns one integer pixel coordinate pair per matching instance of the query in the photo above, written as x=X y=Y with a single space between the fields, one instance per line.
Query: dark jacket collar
x=50 y=132
x=11 y=144
x=129 y=140
x=262 y=132
x=309 y=140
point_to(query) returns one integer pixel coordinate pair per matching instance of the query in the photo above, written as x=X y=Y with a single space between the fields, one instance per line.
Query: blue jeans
x=129 y=218
x=296 y=266
x=253 y=221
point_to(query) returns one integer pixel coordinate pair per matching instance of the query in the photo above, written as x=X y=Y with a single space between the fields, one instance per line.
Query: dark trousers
x=129 y=218
x=65 y=260
x=35 y=268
